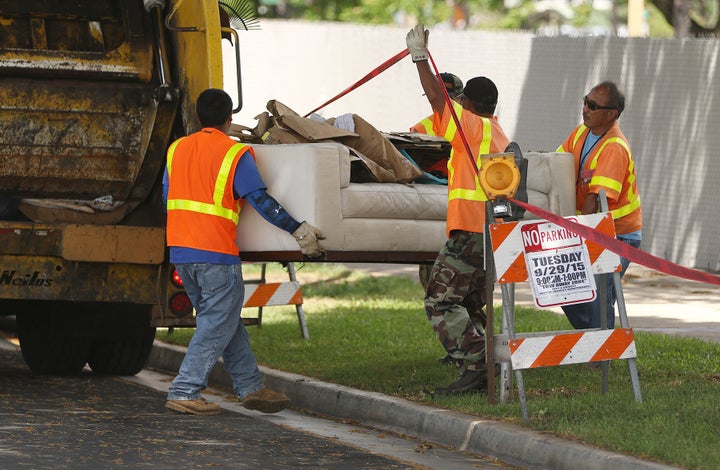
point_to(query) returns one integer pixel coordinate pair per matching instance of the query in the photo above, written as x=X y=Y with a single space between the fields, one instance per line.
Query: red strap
x=622 y=249
x=374 y=73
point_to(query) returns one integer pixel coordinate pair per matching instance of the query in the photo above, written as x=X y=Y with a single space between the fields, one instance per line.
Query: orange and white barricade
x=560 y=266
x=274 y=293
x=572 y=348
x=259 y=294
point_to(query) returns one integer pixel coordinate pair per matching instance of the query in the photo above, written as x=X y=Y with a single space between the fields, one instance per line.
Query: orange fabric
x=196 y=163
x=608 y=162
x=463 y=213
x=424 y=126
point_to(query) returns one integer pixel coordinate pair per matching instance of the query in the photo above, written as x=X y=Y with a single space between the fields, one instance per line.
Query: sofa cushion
x=394 y=201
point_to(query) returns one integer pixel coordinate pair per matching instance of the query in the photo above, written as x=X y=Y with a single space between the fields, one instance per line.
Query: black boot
x=470 y=381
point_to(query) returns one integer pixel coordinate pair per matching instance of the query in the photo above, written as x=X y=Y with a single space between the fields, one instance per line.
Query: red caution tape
x=386 y=65
x=374 y=73
x=622 y=249
x=612 y=244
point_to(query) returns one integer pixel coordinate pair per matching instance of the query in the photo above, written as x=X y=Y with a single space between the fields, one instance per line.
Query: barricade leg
x=259 y=293
x=632 y=362
x=298 y=307
x=508 y=328
x=622 y=313
x=260 y=281
x=508 y=310
x=603 y=294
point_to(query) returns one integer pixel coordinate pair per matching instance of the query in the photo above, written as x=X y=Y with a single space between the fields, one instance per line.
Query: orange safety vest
x=424 y=127
x=202 y=212
x=466 y=199
x=615 y=173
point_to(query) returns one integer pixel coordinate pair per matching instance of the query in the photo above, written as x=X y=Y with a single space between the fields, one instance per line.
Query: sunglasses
x=593 y=106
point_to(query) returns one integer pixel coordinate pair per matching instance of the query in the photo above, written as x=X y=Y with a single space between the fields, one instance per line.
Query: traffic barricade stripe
x=557 y=350
x=615 y=346
x=508 y=248
x=572 y=348
x=280 y=293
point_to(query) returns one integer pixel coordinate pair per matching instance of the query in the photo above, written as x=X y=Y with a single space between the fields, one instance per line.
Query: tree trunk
x=681 y=18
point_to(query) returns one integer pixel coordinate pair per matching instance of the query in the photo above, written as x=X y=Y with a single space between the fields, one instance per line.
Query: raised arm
x=416 y=40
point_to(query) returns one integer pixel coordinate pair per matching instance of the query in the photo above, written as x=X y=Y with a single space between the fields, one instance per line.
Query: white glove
x=307 y=237
x=416 y=41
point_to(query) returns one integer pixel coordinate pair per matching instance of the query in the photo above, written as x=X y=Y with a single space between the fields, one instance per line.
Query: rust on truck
x=92 y=92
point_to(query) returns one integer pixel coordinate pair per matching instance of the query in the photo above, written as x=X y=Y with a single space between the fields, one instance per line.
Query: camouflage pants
x=455 y=297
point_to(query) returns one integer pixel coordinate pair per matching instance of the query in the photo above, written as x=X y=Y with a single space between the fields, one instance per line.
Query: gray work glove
x=307 y=237
x=416 y=41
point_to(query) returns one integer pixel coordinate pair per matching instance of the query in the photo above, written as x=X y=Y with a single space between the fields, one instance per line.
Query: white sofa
x=371 y=222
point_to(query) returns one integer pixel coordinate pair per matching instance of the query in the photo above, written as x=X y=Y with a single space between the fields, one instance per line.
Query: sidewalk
x=512 y=444
x=655 y=302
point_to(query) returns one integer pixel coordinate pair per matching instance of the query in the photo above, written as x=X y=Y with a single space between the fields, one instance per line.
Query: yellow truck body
x=91 y=94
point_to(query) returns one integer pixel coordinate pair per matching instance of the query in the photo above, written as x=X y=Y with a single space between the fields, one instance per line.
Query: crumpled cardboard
x=379 y=159
x=371 y=144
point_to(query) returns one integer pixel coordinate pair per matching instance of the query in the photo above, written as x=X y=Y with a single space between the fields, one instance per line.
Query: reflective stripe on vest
x=578 y=133
x=427 y=124
x=221 y=180
x=476 y=194
x=633 y=199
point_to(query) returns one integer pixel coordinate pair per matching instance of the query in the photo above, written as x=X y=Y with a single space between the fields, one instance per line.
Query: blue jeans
x=587 y=315
x=217 y=292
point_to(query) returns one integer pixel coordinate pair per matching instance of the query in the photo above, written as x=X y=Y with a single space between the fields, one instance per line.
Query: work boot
x=265 y=401
x=448 y=360
x=199 y=407
x=470 y=381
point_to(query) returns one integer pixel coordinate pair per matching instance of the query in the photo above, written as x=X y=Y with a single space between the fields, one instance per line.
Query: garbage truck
x=91 y=94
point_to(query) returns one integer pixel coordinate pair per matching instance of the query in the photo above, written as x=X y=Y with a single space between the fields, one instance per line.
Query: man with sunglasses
x=603 y=161
x=455 y=295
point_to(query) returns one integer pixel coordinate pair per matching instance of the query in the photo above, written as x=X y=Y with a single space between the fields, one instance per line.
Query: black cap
x=453 y=84
x=482 y=90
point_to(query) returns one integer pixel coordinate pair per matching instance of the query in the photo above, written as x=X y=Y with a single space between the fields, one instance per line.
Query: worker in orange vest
x=603 y=161
x=455 y=294
x=207 y=178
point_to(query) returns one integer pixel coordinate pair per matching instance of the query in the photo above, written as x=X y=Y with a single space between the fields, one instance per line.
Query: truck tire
x=121 y=357
x=61 y=337
x=124 y=348
x=46 y=352
x=46 y=356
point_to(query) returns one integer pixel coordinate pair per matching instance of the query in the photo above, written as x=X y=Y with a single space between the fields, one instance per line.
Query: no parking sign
x=559 y=264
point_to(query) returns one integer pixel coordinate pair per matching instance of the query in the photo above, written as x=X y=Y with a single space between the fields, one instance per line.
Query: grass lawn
x=371 y=333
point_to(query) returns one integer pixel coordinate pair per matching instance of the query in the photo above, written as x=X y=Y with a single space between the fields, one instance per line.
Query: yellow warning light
x=499 y=175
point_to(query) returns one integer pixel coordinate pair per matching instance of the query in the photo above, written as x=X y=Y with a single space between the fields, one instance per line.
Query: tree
x=698 y=18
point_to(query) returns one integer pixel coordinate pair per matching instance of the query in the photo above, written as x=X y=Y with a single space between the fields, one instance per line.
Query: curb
x=509 y=443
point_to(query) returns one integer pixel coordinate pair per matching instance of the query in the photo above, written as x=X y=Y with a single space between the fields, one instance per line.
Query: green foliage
x=583 y=12
x=517 y=17
x=659 y=27
x=483 y=14
x=371 y=333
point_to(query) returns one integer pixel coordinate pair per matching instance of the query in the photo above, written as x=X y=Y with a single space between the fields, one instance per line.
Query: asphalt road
x=90 y=422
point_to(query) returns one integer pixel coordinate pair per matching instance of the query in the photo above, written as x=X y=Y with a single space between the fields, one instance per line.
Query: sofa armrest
x=305 y=179
x=551 y=183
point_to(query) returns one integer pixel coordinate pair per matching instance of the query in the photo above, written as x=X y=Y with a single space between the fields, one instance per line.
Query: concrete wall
x=672 y=115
